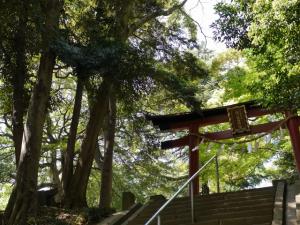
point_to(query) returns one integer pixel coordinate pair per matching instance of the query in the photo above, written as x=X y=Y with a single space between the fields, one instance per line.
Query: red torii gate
x=193 y=120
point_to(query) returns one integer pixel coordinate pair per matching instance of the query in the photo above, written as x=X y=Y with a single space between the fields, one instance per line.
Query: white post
x=192 y=202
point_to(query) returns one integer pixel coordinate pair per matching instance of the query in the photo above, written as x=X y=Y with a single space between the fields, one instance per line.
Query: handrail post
x=192 y=203
x=158 y=220
x=217 y=174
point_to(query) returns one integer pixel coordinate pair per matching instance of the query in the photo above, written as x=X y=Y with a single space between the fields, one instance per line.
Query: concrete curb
x=278 y=210
x=153 y=199
x=133 y=209
x=113 y=218
x=297 y=198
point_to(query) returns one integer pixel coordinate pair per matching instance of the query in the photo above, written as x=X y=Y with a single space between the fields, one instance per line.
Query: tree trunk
x=18 y=79
x=69 y=153
x=98 y=157
x=56 y=181
x=109 y=140
x=76 y=194
x=55 y=177
x=24 y=205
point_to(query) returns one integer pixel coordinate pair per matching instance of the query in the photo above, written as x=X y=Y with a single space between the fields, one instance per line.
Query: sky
x=203 y=12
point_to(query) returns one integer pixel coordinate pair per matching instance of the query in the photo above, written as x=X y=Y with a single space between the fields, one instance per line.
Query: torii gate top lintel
x=206 y=117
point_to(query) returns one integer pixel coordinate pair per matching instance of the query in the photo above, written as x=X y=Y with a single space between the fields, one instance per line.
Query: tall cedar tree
x=23 y=201
x=122 y=28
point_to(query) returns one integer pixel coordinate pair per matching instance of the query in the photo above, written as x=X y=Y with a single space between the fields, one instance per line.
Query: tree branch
x=155 y=14
x=198 y=24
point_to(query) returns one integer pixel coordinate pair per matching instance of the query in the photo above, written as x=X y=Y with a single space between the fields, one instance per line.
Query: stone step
x=180 y=217
x=220 y=201
x=252 y=192
x=224 y=199
x=257 y=220
x=211 y=205
x=232 y=195
x=213 y=198
x=252 y=220
x=216 y=222
x=222 y=208
x=207 y=215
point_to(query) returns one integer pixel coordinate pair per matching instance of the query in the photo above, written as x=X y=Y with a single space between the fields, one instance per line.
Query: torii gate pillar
x=293 y=126
x=194 y=158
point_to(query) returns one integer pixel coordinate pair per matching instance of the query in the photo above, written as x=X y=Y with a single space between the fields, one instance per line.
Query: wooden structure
x=237 y=115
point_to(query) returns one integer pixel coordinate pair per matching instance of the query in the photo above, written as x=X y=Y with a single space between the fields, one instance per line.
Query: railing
x=157 y=214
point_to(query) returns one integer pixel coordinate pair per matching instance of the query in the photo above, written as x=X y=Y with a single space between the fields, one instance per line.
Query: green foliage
x=232 y=25
x=12 y=31
x=138 y=156
x=276 y=56
x=236 y=85
x=5 y=191
x=270 y=74
x=269 y=31
x=5 y=98
x=231 y=79
x=181 y=89
x=284 y=166
x=93 y=189
x=95 y=59
x=243 y=166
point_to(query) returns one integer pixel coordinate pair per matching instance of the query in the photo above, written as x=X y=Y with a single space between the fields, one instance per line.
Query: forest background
x=77 y=79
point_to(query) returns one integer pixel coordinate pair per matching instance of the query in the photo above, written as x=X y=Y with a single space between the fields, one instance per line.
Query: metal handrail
x=178 y=191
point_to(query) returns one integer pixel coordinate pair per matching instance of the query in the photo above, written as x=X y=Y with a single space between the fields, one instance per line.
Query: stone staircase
x=248 y=207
